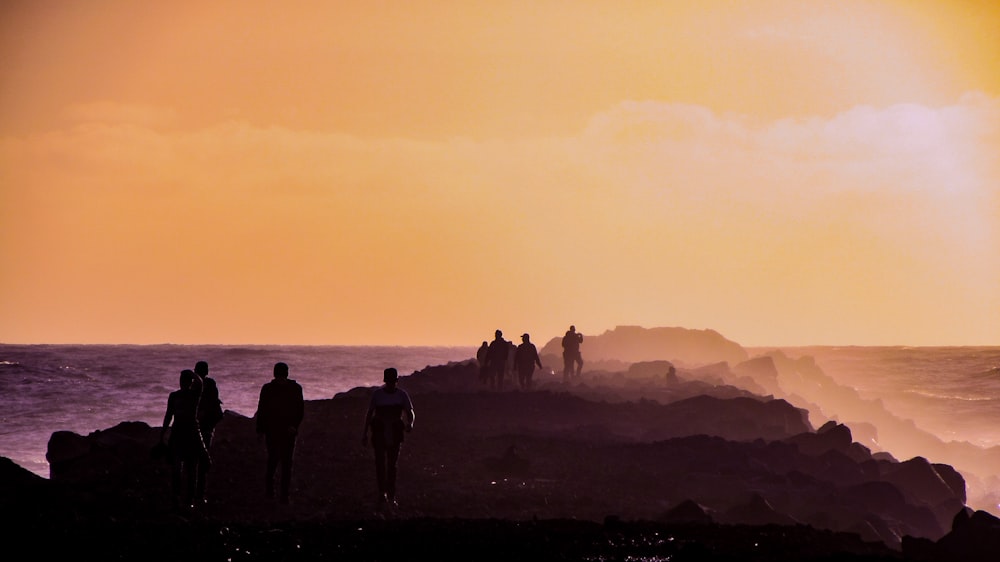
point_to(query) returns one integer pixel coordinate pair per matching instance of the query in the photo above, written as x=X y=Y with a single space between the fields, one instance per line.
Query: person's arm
x=411 y=416
x=300 y=408
x=538 y=360
x=409 y=413
x=169 y=415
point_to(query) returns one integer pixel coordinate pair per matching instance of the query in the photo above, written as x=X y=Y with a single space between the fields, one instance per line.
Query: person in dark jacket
x=496 y=358
x=572 y=359
x=279 y=414
x=525 y=359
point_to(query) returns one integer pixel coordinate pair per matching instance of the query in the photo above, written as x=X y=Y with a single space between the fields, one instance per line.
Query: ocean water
x=953 y=392
x=84 y=388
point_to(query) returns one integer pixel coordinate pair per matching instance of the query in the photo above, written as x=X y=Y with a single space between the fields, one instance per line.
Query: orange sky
x=783 y=172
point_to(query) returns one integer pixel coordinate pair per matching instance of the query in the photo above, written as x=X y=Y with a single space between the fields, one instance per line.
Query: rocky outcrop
x=549 y=455
x=632 y=344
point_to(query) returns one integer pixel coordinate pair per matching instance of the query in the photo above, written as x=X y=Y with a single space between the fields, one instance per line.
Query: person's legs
x=380 y=472
x=176 y=470
x=567 y=366
x=579 y=364
x=191 y=479
x=392 y=458
x=287 y=453
x=272 y=465
x=203 y=467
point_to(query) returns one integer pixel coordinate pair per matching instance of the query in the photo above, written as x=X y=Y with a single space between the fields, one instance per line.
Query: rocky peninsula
x=709 y=458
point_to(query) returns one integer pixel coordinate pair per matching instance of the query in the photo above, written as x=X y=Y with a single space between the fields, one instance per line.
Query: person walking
x=279 y=413
x=481 y=355
x=572 y=359
x=525 y=360
x=209 y=415
x=185 y=447
x=387 y=409
x=496 y=357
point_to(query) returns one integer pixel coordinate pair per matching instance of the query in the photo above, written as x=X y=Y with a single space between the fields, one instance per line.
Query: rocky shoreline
x=648 y=463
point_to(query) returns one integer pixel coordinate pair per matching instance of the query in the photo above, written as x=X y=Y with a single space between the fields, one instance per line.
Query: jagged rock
x=974 y=537
x=756 y=511
x=580 y=452
x=646 y=369
x=635 y=343
x=687 y=511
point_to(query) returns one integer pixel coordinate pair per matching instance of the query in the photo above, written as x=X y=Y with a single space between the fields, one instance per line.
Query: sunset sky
x=785 y=172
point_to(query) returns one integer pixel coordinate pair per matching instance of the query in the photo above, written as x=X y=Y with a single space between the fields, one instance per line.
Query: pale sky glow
x=427 y=172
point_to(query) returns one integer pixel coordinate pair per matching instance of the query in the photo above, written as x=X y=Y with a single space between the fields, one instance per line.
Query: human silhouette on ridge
x=279 y=414
x=572 y=359
x=387 y=409
x=525 y=359
x=209 y=415
x=185 y=448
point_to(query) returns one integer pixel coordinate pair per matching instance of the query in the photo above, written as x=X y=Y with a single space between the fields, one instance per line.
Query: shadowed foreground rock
x=648 y=467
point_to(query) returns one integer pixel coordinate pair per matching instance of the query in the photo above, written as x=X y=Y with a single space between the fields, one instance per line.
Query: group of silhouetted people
x=195 y=409
x=500 y=358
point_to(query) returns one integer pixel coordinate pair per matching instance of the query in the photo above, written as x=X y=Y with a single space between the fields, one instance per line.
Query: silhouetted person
x=496 y=358
x=209 y=415
x=185 y=447
x=279 y=414
x=572 y=360
x=525 y=359
x=481 y=354
x=388 y=406
x=509 y=370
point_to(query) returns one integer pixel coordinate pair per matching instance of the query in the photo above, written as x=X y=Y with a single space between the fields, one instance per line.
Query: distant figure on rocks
x=388 y=406
x=496 y=357
x=526 y=358
x=185 y=448
x=279 y=414
x=481 y=356
x=510 y=370
x=209 y=415
x=572 y=360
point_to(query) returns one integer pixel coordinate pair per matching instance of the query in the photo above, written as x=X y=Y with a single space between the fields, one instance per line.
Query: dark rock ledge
x=640 y=467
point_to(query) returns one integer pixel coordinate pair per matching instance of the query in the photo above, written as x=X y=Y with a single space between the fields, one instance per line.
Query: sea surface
x=953 y=392
x=85 y=388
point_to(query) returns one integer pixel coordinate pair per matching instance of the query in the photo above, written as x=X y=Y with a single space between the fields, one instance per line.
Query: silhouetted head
x=572 y=328
x=498 y=334
x=201 y=369
x=187 y=377
x=280 y=370
x=390 y=375
x=485 y=342
x=525 y=337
